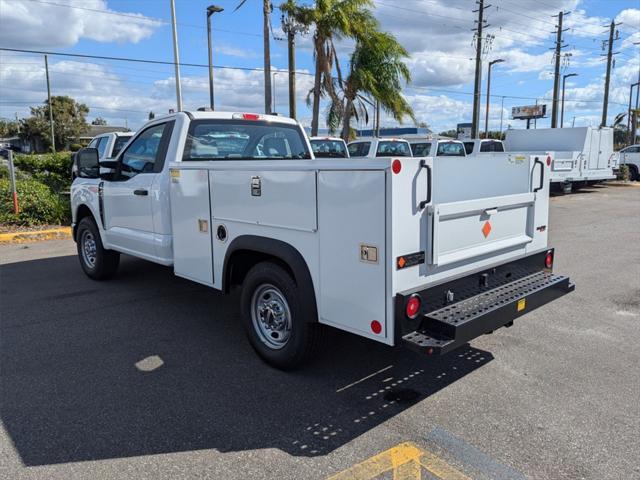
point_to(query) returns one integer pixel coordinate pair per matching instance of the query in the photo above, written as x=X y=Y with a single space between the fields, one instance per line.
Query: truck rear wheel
x=96 y=261
x=633 y=173
x=273 y=320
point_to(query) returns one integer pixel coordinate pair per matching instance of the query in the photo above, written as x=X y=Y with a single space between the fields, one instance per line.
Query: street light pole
x=564 y=79
x=176 y=56
x=486 y=118
x=210 y=11
x=273 y=96
x=53 y=136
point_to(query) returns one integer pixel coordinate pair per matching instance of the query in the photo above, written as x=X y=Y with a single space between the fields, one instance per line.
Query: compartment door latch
x=256 y=186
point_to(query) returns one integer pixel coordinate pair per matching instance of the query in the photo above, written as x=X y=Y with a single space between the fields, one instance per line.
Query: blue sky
x=437 y=33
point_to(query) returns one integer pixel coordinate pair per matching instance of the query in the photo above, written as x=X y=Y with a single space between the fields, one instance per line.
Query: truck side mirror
x=88 y=163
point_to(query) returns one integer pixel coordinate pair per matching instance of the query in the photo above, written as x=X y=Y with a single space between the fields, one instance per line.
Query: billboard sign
x=528 y=112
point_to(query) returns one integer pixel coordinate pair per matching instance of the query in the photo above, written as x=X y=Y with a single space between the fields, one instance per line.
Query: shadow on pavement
x=71 y=391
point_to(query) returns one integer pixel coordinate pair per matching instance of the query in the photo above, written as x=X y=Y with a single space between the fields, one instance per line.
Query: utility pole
x=176 y=55
x=475 y=121
x=53 y=138
x=291 y=27
x=607 y=80
x=556 y=74
x=501 y=113
x=377 y=130
x=266 y=12
x=291 y=52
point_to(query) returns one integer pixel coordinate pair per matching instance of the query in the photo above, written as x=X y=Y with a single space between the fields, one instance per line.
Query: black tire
x=288 y=351
x=633 y=173
x=105 y=262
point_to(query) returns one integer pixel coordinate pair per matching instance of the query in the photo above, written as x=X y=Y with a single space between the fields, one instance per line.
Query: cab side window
x=146 y=153
x=102 y=146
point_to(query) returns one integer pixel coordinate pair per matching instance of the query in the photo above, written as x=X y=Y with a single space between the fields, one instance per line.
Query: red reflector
x=548 y=260
x=250 y=116
x=396 y=166
x=413 y=307
x=548 y=160
x=376 y=327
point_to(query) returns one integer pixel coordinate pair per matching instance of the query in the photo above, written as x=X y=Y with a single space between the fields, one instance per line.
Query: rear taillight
x=548 y=259
x=548 y=160
x=412 y=308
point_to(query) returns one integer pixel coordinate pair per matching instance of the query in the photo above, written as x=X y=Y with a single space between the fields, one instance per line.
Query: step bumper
x=456 y=324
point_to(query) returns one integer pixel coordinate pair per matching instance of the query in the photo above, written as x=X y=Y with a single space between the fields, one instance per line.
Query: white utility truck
x=379 y=147
x=390 y=248
x=630 y=156
x=108 y=146
x=579 y=156
x=437 y=148
x=484 y=145
x=329 y=147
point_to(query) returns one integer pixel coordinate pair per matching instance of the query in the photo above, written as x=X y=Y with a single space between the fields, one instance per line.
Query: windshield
x=421 y=149
x=244 y=140
x=120 y=142
x=324 y=148
x=393 y=148
x=450 y=149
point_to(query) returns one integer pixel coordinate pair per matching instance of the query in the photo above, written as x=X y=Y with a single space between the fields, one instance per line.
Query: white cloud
x=26 y=24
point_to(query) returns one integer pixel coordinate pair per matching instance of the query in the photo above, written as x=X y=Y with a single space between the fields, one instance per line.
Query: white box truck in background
x=579 y=156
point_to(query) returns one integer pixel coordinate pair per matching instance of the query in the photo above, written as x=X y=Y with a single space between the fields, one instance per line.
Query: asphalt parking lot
x=150 y=376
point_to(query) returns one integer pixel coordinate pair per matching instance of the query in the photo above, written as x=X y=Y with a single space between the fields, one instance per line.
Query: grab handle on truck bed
x=424 y=203
x=541 y=175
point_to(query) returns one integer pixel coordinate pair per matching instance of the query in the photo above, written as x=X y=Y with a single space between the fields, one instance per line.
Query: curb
x=36 y=235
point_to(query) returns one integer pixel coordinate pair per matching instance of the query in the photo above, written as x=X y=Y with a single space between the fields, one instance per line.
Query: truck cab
x=630 y=156
x=484 y=145
x=391 y=248
x=437 y=148
x=108 y=146
x=379 y=147
x=329 y=147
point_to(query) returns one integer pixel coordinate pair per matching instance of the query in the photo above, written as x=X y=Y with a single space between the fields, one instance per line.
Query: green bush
x=623 y=173
x=53 y=170
x=38 y=204
x=74 y=147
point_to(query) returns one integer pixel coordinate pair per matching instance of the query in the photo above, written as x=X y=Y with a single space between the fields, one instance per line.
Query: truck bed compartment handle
x=141 y=191
x=541 y=175
x=424 y=203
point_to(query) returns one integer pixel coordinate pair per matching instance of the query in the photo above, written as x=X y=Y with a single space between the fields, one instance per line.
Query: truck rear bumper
x=454 y=324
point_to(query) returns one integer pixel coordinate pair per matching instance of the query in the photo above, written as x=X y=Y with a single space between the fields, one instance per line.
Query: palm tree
x=376 y=70
x=266 y=12
x=332 y=20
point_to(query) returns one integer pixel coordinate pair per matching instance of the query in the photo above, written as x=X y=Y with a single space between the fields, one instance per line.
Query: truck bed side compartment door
x=352 y=229
x=191 y=223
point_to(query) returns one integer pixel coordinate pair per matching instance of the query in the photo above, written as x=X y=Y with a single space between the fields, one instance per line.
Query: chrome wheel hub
x=89 y=248
x=271 y=316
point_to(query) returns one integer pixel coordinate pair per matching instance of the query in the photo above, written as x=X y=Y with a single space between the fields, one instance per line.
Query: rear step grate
x=479 y=304
x=448 y=327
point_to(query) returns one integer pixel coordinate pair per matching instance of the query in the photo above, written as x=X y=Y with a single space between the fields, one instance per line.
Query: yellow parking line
x=35 y=235
x=405 y=461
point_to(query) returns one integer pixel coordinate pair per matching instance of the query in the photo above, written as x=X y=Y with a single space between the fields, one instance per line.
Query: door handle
x=141 y=191
x=426 y=202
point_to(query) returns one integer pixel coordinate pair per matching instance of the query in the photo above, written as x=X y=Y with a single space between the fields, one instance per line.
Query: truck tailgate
x=467 y=229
